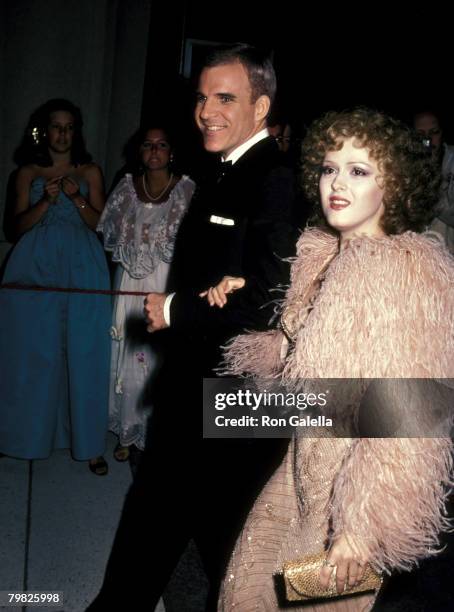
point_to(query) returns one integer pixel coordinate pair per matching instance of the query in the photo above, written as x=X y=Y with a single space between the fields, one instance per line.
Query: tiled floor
x=57 y=522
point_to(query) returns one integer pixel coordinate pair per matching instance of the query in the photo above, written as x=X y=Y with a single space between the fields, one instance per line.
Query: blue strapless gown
x=55 y=347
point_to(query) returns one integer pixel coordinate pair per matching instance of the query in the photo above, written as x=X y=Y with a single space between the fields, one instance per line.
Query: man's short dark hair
x=257 y=64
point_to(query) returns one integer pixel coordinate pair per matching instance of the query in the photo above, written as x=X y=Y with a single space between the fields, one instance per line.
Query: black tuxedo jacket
x=219 y=477
x=255 y=198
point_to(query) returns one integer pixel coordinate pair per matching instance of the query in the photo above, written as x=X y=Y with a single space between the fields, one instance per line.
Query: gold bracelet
x=84 y=205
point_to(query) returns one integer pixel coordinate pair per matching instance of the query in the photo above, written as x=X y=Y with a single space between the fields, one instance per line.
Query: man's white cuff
x=167 y=303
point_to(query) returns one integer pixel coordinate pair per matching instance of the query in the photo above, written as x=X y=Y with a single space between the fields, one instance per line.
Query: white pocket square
x=221 y=220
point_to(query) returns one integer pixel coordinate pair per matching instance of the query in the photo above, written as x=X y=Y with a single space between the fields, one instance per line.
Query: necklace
x=162 y=192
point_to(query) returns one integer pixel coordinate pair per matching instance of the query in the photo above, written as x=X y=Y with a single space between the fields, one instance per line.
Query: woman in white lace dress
x=139 y=226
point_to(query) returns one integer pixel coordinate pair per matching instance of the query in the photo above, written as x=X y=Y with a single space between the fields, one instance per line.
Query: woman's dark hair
x=257 y=64
x=132 y=149
x=34 y=148
x=411 y=178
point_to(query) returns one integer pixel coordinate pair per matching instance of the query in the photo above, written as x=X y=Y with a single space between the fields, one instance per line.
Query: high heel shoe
x=98 y=466
x=121 y=453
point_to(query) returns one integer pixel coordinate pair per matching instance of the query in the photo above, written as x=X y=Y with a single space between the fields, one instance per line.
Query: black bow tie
x=222 y=169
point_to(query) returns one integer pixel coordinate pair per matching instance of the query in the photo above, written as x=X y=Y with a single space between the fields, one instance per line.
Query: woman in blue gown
x=55 y=346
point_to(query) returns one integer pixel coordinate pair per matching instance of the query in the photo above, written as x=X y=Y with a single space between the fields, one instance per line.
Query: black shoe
x=121 y=453
x=98 y=466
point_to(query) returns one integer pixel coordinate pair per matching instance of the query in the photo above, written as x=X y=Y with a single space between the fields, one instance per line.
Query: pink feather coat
x=384 y=309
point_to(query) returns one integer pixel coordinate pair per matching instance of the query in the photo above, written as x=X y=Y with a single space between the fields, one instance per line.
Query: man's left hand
x=154 y=311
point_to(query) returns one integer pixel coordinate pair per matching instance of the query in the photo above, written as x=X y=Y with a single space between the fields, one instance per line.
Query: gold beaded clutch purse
x=302 y=580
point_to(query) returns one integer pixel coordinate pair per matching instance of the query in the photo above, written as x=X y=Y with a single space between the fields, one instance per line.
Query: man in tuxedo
x=240 y=224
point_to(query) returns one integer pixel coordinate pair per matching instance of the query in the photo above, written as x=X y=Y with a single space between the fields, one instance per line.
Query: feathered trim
x=256 y=354
x=386 y=301
x=390 y=495
x=314 y=250
x=385 y=309
x=259 y=353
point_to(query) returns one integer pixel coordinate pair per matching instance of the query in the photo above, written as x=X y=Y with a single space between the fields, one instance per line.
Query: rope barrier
x=19 y=287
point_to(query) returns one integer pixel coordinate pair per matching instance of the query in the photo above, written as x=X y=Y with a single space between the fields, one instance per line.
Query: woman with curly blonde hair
x=369 y=299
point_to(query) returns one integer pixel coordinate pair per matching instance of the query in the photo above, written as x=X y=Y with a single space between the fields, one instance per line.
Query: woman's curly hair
x=411 y=177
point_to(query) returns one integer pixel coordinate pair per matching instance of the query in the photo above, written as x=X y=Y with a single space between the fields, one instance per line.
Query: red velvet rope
x=19 y=287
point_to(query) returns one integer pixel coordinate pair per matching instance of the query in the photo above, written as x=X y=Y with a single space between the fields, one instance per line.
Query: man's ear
x=262 y=106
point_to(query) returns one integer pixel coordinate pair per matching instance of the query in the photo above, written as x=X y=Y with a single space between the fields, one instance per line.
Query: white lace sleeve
x=165 y=241
x=141 y=234
x=112 y=221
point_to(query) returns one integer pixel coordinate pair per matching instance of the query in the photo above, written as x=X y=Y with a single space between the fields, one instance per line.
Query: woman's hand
x=70 y=187
x=347 y=560
x=218 y=295
x=52 y=189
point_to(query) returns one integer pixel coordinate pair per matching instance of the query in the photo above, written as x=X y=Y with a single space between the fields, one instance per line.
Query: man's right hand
x=154 y=311
x=218 y=295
